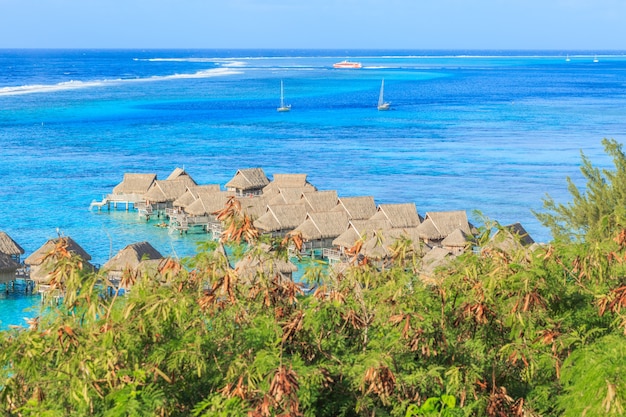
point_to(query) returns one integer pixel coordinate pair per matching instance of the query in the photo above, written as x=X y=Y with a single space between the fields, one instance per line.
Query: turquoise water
x=488 y=131
x=16 y=306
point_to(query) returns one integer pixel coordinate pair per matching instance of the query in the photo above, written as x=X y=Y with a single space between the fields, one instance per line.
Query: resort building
x=163 y=193
x=252 y=264
x=282 y=181
x=319 y=229
x=131 y=190
x=319 y=201
x=9 y=247
x=247 y=182
x=398 y=215
x=254 y=207
x=193 y=193
x=357 y=208
x=41 y=261
x=8 y=268
x=357 y=230
x=130 y=263
x=437 y=225
x=280 y=219
x=457 y=242
x=511 y=237
x=437 y=257
x=286 y=195
x=200 y=213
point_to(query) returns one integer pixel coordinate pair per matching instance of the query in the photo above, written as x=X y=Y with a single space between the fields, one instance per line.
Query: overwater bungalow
x=355 y=231
x=280 y=219
x=319 y=229
x=9 y=247
x=438 y=225
x=247 y=182
x=8 y=268
x=255 y=206
x=192 y=194
x=163 y=193
x=253 y=264
x=379 y=244
x=41 y=264
x=437 y=257
x=357 y=208
x=511 y=237
x=200 y=212
x=287 y=195
x=457 y=242
x=130 y=191
x=402 y=215
x=282 y=181
x=320 y=201
x=130 y=263
x=180 y=174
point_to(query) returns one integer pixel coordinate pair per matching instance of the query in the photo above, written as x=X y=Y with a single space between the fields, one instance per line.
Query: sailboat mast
x=380 y=97
x=282 y=98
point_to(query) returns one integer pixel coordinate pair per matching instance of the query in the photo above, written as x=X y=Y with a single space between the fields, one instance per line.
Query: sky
x=320 y=24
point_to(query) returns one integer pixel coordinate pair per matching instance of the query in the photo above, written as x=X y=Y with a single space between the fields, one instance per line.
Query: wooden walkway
x=126 y=200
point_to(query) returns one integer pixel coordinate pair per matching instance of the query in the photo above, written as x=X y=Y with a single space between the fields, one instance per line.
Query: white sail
x=283 y=107
x=381 y=100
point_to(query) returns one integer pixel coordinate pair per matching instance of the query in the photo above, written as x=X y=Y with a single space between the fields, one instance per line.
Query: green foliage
x=594 y=379
x=444 y=406
x=597 y=212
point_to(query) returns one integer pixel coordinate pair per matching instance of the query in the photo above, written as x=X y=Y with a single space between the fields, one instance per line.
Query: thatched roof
x=169 y=190
x=255 y=206
x=248 y=179
x=357 y=208
x=511 y=237
x=379 y=243
x=358 y=229
x=445 y=222
x=36 y=258
x=399 y=215
x=208 y=203
x=347 y=239
x=281 y=181
x=456 y=239
x=40 y=269
x=7 y=264
x=323 y=225
x=135 y=184
x=435 y=258
x=131 y=256
x=180 y=173
x=427 y=230
x=191 y=194
x=250 y=265
x=286 y=195
x=281 y=217
x=8 y=246
x=320 y=201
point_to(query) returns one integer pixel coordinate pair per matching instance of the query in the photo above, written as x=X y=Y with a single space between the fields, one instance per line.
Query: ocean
x=486 y=131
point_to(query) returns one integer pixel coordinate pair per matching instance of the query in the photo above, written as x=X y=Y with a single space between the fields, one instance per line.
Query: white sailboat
x=283 y=107
x=382 y=105
x=567 y=58
x=595 y=58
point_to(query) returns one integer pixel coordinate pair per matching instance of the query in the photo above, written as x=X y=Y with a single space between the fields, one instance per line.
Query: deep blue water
x=492 y=131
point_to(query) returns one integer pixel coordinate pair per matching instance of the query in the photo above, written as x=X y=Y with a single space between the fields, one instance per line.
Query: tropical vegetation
x=518 y=332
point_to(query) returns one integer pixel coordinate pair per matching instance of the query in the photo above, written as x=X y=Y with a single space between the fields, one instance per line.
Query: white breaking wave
x=75 y=85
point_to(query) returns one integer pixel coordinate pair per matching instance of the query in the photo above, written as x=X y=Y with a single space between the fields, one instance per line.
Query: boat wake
x=75 y=85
